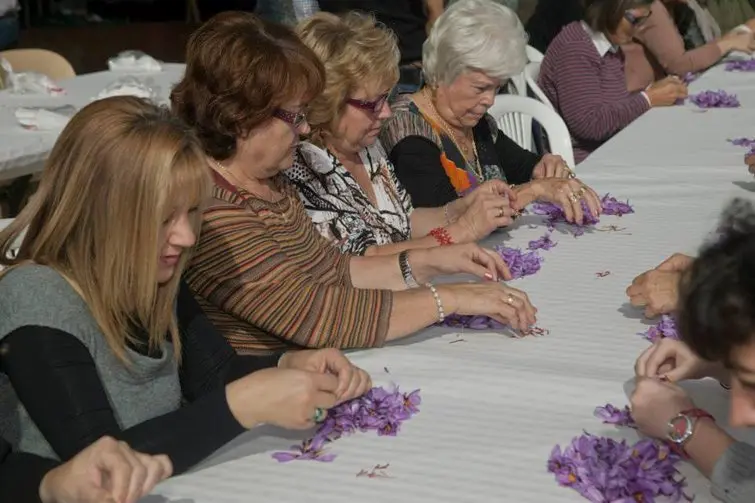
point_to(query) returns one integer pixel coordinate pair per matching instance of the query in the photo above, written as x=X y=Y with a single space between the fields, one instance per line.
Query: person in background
x=582 y=74
x=8 y=24
x=343 y=175
x=716 y=322
x=549 y=17
x=288 y=12
x=658 y=50
x=410 y=20
x=98 y=334
x=108 y=471
x=441 y=140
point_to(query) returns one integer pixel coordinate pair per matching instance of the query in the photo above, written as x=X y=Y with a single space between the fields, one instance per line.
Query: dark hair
x=239 y=70
x=717 y=294
x=604 y=16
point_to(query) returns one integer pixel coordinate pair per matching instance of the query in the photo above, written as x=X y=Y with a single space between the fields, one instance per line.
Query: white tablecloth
x=493 y=407
x=23 y=152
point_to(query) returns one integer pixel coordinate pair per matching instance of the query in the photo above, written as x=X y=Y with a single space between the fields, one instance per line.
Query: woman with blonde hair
x=261 y=270
x=441 y=139
x=98 y=336
x=343 y=175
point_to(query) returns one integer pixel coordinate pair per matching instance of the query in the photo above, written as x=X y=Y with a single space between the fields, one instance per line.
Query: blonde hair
x=355 y=50
x=114 y=176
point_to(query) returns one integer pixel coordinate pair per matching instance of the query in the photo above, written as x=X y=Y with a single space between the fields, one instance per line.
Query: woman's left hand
x=655 y=403
x=552 y=166
x=565 y=192
x=467 y=258
x=352 y=381
x=750 y=161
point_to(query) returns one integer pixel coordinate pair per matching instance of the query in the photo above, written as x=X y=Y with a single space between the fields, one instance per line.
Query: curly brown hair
x=239 y=70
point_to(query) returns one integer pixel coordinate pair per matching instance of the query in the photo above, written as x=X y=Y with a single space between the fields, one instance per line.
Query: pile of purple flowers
x=554 y=214
x=543 y=243
x=664 y=329
x=521 y=263
x=604 y=470
x=715 y=99
x=474 y=322
x=741 y=65
x=382 y=410
x=611 y=414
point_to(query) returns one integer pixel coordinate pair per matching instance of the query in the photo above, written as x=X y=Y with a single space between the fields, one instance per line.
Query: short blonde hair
x=474 y=35
x=113 y=177
x=355 y=50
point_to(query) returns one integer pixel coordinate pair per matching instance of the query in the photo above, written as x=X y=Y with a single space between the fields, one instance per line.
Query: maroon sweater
x=588 y=91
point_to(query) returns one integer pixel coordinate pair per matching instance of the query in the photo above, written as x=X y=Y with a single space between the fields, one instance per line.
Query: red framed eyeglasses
x=372 y=106
x=293 y=118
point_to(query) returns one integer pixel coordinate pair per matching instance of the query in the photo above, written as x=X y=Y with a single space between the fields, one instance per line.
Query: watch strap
x=690 y=417
x=406 y=269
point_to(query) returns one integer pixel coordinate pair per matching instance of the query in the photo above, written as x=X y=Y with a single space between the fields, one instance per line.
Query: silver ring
x=319 y=415
x=510 y=300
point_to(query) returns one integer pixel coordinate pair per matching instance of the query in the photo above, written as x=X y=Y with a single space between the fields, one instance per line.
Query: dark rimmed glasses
x=636 y=20
x=373 y=106
x=295 y=119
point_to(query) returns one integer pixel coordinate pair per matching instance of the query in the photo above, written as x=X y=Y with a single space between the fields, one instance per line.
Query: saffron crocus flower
x=612 y=206
x=613 y=415
x=543 y=243
x=690 y=77
x=478 y=322
x=382 y=410
x=741 y=65
x=555 y=215
x=665 y=328
x=520 y=263
x=715 y=99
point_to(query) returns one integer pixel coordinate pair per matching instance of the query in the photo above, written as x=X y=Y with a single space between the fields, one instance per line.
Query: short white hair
x=475 y=35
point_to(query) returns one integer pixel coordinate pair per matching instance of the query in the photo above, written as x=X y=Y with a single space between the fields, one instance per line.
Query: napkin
x=134 y=61
x=44 y=119
x=130 y=86
x=28 y=82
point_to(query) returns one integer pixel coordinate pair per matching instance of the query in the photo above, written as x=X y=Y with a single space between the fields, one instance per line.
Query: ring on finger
x=510 y=300
x=319 y=415
x=573 y=197
x=501 y=212
x=581 y=191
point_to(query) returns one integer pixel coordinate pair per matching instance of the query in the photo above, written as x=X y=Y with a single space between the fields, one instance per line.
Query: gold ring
x=581 y=191
x=501 y=212
x=569 y=173
x=510 y=300
x=573 y=197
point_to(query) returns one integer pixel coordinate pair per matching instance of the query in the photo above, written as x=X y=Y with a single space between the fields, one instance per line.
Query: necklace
x=241 y=184
x=474 y=163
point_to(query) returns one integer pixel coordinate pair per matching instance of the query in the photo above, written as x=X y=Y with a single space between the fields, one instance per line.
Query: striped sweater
x=588 y=89
x=270 y=282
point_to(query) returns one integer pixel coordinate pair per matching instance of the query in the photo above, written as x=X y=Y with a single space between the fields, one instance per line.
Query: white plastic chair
x=514 y=115
x=519 y=83
x=531 y=73
x=533 y=55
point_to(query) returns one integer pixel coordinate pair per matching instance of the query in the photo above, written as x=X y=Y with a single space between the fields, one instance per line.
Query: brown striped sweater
x=588 y=89
x=270 y=282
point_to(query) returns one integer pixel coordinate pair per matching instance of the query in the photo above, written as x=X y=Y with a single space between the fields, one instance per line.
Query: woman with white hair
x=441 y=140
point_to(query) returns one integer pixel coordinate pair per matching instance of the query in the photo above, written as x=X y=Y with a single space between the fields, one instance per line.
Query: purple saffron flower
x=741 y=65
x=715 y=99
x=543 y=243
x=666 y=328
x=742 y=142
x=555 y=215
x=690 y=77
x=613 y=415
x=520 y=263
x=604 y=470
x=382 y=410
x=612 y=206
x=473 y=322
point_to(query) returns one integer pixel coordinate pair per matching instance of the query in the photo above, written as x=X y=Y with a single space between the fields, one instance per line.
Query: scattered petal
x=543 y=243
x=740 y=65
x=665 y=328
x=715 y=99
x=613 y=415
x=602 y=274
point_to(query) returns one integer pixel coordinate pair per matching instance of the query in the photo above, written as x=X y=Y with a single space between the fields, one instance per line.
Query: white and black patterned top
x=339 y=207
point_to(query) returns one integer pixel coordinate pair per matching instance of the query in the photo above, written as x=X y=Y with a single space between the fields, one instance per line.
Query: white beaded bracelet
x=438 y=303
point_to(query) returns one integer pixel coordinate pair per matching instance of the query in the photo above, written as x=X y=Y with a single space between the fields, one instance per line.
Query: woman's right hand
x=666 y=92
x=674 y=360
x=502 y=303
x=737 y=40
x=283 y=397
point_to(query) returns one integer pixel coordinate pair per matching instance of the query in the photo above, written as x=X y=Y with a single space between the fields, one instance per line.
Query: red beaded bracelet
x=442 y=236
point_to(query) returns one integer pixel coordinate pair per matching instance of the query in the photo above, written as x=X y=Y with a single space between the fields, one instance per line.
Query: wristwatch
x=406 y=269
x=682 y=426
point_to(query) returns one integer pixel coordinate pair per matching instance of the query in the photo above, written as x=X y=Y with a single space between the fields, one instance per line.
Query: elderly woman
x=441 y=140
x=343 y=175
x=659 y=49
x=261 y=270
x=583 y=74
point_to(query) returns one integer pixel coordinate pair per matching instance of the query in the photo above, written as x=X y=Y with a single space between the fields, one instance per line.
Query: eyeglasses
x=292 y=118
x=636 y=20
x=372 y=106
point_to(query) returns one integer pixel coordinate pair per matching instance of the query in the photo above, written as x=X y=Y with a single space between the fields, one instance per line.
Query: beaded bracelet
x=438 y=303
x=442 y=236
x=445 y=214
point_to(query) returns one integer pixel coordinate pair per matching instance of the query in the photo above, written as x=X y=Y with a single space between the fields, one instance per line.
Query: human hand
x=108 y=471
x=666 y=92
x=678 y=262
x=285 y=397
x=568 y=194
x=737 y=40
x=467 y=258
x=675 y=361
x=502 y=303
x=552 y=166
x=658 y=289
x=352 y=381
x=750 y=161
x=654 y=403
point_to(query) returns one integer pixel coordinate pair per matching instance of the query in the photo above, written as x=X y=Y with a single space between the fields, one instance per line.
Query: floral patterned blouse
x=338 y=206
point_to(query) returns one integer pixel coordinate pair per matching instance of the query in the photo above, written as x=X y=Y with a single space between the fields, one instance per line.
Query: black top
x=407 y=19
x=549 y=18
x=55 y=377
x=416 y=161
x=21 y=474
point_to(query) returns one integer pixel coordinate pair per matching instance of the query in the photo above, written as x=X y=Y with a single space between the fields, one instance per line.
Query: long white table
x=22 y=152
x=493 y=407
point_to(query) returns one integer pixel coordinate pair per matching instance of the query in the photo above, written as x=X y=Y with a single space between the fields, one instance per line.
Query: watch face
x=679 y=429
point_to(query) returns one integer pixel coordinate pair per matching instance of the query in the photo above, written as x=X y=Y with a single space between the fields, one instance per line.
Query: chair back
x=41 y=61
x=531 y=73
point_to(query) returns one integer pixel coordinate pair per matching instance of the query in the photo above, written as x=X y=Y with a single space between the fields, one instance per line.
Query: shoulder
x=34 y=294
x=572 y=41
x=309 y=161
x=406 y=121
